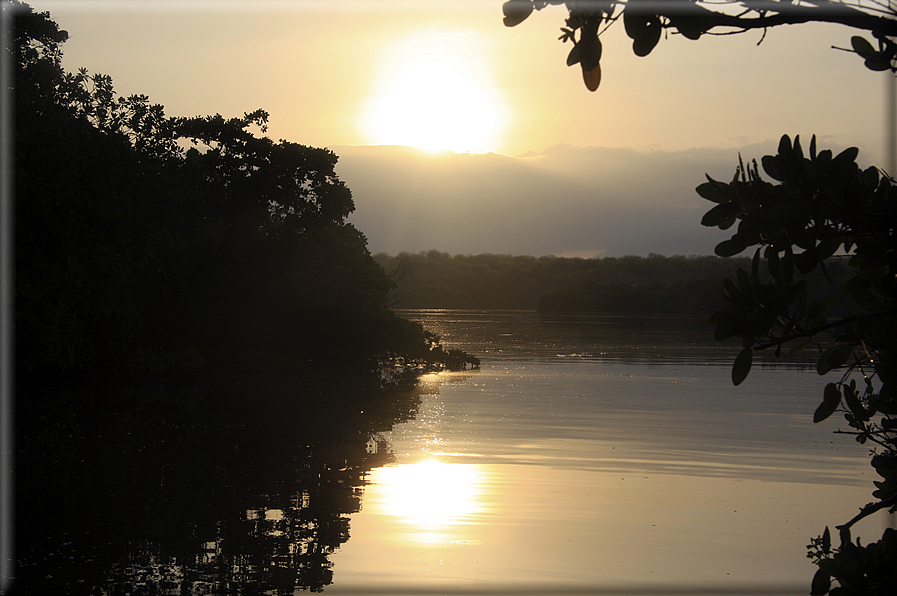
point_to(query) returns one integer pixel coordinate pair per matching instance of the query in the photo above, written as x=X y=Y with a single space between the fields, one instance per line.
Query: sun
x=434 y=94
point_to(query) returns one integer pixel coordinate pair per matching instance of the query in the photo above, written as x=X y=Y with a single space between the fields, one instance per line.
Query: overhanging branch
x=773 y=13
x=807 y=333
x=869 y=510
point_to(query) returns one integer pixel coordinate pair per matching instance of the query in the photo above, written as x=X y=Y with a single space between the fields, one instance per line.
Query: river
x=588 y=455
x=597 y=454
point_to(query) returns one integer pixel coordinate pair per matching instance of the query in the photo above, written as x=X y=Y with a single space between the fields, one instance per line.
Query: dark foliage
x=816 y=207
x=199 y=333
x=190 y=248
x=630 y=284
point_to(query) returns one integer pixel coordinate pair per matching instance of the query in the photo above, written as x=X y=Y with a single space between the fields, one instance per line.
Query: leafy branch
x=821 y=209
x=646 y=21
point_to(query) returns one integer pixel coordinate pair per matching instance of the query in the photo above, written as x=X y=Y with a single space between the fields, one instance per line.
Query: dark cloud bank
x=565 y=201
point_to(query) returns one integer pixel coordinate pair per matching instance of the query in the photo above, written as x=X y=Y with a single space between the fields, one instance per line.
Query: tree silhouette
x=185 y=246
x=817 y=209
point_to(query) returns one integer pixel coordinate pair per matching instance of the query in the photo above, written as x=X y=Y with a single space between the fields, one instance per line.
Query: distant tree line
x=682 y=284
x=630 y=284
x=149 y=245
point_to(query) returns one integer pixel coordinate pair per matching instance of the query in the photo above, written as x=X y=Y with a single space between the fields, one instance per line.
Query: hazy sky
x=569 y=171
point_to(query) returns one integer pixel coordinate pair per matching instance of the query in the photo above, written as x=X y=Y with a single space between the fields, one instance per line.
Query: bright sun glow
x=429 y=495
x=434 y=94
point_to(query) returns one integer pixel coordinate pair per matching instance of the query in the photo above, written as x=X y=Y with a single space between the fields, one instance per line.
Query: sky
x=459 y=134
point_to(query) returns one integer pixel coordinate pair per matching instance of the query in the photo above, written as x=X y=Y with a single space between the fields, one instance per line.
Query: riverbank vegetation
x=655 y=284
x=170 y=249
x=197 y=330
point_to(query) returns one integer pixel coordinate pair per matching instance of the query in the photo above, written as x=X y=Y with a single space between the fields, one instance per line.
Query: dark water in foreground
x=588 y=454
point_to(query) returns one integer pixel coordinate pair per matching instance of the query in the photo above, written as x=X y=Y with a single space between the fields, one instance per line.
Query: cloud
x=564 y=200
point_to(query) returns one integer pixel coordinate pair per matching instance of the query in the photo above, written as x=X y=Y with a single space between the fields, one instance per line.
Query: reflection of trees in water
x=146 y=504
x=281 y=541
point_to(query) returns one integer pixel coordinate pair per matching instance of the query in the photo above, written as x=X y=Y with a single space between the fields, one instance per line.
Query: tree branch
x=869 y=510
x=772 y=13
x=807 y=333
x=869 y=435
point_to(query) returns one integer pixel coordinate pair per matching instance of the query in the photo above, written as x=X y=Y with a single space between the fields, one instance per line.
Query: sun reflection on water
x=430 y=496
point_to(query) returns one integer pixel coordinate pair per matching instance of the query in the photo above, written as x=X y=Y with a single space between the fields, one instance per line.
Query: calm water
x=588 y=455
x=603 y=454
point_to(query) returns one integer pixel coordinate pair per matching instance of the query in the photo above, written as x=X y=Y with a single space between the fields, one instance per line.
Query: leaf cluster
x=812 y=211
x=647 y=21
x=878 y=60
x=859 y=570
x=817 y=208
